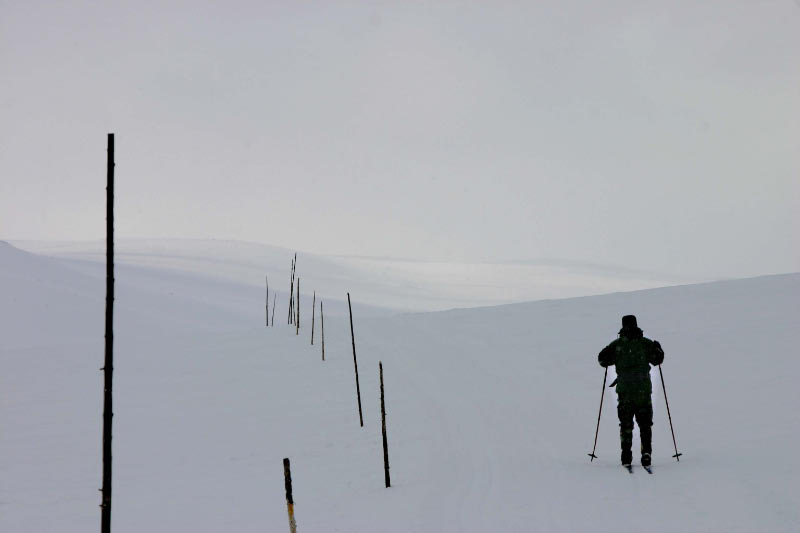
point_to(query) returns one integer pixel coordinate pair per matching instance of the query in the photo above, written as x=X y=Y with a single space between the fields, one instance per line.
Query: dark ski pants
x=642 y=410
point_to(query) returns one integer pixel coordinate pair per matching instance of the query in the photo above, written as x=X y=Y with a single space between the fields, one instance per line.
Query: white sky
x=655 y=135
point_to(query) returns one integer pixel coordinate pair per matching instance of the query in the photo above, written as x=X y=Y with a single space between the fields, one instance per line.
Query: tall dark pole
x=677 y=455
x=597 y=431
x=108 y=368
x=294 y=276
x=297 y=315
x=383 y=430
x=267 y=300
x=291 y=293
x=274 y=295
x=355 y=361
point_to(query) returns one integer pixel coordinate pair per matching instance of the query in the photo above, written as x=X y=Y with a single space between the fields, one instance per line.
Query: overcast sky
x=655 y=135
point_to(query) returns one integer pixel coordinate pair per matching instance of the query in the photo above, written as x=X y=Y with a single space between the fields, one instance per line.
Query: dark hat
x=629 y=322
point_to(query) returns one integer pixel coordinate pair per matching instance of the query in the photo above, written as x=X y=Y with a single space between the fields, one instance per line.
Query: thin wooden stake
x=322 y=319
x=313 y=314
x=355 y=361
x=296 y=277
x=291 y=293
x=294 y=310
x=383 y=429
x=290 y=317
x=108 y=368
x=297 y=331
x=287 y=482
x=274 y=295
x=267 y=300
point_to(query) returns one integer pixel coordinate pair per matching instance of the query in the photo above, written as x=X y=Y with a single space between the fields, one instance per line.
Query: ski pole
x=602 y=394
x=677 y=455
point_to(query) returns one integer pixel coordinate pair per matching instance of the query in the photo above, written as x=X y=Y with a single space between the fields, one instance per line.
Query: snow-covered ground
x=491 y=411
x=383 y=282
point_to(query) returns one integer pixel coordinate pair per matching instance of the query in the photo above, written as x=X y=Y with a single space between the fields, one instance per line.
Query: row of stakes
x=294 y=319
x=108 y=367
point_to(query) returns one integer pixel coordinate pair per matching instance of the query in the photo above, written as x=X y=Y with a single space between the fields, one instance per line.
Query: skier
x=633 y=353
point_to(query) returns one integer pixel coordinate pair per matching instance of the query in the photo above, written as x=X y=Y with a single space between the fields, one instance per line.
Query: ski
x=648 y=468
x=629 y=468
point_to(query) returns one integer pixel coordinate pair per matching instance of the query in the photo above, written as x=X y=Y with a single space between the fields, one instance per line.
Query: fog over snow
x=655 y=136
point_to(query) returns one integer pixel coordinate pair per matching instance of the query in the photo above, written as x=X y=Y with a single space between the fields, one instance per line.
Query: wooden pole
x=294 y=311
x=383 y=429
x=355 y=361
x=322 y=319
x=274 y=295
x=267 y=300
x=313 y=315
x=291 y=292
x=108 y=368
x=297 y=319
x=287 y=482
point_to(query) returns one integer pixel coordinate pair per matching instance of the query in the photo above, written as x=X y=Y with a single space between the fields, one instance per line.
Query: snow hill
x=491 y=411
x=381 y=282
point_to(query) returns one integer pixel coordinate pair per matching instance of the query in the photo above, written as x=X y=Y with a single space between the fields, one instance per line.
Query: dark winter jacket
x=632 y=353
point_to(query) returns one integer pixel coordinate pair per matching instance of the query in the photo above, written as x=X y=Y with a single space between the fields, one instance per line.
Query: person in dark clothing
x=632 y=353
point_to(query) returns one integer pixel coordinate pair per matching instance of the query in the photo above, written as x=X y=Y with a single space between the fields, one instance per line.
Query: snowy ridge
x=391 y=283
x=491 y=411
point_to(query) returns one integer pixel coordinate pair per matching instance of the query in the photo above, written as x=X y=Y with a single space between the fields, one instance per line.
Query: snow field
x=490 y=411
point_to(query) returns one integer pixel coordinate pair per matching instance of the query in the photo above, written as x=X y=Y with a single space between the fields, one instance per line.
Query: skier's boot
x=626 y=457
x=645 y=459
